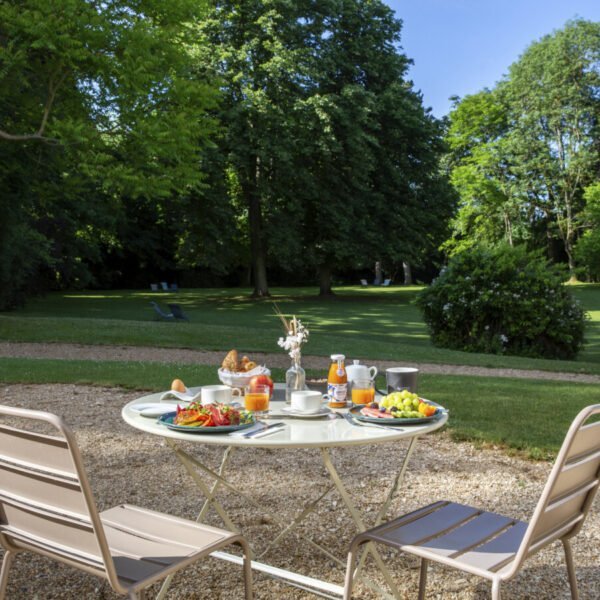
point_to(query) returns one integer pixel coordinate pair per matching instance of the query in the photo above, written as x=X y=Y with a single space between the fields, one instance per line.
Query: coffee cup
x=306 y=401
x=222 y=394
x=401 y=378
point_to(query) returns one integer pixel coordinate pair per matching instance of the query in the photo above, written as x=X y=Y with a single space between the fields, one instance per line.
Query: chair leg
x=423 y=578
x=249 y=594
x=349 y=580
x=139 y=595
x=570 y=568
x=496 y=589
x=6 y=562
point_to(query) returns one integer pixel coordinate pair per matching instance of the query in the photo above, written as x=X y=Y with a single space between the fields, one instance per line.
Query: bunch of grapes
x=402 y=404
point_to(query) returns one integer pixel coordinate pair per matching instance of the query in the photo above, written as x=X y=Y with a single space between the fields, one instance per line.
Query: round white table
x=323 y=433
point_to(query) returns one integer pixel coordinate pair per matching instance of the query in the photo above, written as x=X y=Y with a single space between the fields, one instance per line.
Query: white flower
x=503 y=338
x=293 y=341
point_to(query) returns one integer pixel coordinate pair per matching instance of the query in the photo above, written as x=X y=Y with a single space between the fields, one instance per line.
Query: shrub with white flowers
x=503 y=300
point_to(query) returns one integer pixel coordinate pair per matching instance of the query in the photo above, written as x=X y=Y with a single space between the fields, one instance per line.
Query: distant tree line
x=246 y=142
x=235 y=139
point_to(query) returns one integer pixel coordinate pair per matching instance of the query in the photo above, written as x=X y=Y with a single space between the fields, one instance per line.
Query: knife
x=272 y=428
x=350 y=418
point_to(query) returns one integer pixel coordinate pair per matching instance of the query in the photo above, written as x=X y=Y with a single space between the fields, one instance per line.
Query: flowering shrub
x=503 y=300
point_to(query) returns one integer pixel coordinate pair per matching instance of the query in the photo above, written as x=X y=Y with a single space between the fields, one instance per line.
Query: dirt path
x=183 y=356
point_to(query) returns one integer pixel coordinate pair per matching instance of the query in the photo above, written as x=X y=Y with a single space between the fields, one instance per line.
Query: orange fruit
x=178 y=386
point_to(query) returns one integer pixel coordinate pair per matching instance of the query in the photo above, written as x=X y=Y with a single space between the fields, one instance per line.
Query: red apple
x=261 y=380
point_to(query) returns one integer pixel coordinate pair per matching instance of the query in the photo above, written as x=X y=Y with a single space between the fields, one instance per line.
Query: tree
x=522 y=153
x=587 y=249
x=96 y=104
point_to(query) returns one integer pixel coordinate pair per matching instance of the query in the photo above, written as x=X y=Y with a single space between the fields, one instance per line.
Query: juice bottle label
x=337 y=391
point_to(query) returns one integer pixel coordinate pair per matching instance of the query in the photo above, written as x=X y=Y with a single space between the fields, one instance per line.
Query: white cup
x=223 y=394
x=306 y=401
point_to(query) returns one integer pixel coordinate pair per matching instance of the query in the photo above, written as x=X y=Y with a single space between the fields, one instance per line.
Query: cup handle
x=373 y=372
x=236 y=392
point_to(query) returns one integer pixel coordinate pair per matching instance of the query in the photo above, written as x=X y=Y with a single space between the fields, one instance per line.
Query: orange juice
x=256 y=401
x=337 y=382
x=362 y=396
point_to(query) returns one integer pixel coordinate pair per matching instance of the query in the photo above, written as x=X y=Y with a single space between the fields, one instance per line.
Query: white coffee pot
x=358 y=372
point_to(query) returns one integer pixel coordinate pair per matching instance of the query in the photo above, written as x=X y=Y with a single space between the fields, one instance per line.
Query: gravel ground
x=184 y=356
x=126 y=465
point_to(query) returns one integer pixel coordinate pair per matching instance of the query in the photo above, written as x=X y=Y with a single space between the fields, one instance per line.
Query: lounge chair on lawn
x=160 y=313
x=154 y=287
x=47 y=507
x=173 y=287
x=165 y=286
x=177 y=312
x=386 y=283
x=490 y=545
x=364 y=283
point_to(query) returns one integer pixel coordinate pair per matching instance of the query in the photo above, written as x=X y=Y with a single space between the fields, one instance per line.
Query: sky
x=461 y=46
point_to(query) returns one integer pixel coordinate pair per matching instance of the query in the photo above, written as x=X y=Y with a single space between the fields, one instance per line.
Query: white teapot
x=358 y=372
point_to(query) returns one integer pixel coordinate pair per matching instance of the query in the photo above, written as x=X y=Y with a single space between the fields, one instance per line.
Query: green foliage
x=503 y=300
x=522 y=153
x=587 y=250
x=97 y=108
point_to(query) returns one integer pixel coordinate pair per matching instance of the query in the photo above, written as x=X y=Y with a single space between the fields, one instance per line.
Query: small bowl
x=240 y=380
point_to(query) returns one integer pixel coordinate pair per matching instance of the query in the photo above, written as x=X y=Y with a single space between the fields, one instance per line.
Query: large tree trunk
x=257 y=247
x=408 y=280
x=325 y=281
x=378 y=274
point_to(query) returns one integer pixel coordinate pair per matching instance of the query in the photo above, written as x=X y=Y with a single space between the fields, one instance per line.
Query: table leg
x=357 y=519
x=224 y=461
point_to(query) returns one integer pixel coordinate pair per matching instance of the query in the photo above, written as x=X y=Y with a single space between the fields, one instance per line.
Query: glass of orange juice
x=363 y=391
x=256 y=399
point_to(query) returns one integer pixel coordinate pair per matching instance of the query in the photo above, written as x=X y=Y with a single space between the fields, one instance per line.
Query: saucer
x=323 y=411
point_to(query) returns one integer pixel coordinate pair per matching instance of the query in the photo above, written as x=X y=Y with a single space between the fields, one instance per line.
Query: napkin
x=183 y=396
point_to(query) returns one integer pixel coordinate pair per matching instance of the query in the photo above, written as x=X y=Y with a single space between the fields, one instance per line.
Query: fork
x=356 y=423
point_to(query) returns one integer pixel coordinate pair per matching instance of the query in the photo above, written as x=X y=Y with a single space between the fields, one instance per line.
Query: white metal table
x=322 y=434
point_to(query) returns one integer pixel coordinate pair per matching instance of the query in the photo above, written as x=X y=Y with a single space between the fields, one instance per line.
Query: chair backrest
x=154 y=287
x=570 y=489
x=363 y=282
x=164 y=286
x=46 y=503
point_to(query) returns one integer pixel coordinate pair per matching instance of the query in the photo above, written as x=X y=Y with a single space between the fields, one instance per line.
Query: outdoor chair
x=47 y=507
x=490 y=545
x=386 y=283
x=165 y=286
x=154 y=287
x=364 y=282
x=177 y=312
x=160 y=313
x=173 y=287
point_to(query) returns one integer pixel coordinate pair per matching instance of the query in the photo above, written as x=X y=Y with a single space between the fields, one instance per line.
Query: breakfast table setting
x=250 y=411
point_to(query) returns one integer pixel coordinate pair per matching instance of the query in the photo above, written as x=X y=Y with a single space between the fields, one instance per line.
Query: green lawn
x=526 y=416
x=371 y=323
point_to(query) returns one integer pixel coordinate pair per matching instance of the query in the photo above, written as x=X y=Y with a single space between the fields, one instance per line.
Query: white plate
x=296 y=413
x=152 y=409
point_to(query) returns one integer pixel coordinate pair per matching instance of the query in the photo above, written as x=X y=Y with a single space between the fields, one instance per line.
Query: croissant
x=230 y=362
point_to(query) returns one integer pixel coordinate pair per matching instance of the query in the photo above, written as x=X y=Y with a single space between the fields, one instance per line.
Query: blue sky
x=462 y=46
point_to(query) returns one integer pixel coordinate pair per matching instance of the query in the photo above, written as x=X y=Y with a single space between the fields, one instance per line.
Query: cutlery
x=356 y=423
x=266 y=430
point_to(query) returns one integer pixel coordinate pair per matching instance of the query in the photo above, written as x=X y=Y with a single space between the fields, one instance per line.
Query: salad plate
x=167 y=420
x=322 y=412
x=356 y=413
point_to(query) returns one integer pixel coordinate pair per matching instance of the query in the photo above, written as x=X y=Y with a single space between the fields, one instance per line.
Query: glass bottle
x=295 y=379
x=337 y=381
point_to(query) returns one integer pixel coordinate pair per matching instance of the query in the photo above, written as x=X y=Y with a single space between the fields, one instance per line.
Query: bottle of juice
x=337 y=382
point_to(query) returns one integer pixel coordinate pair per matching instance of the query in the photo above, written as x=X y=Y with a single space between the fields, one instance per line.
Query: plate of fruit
x=398 y=408
x=237 y=372
x=212 y=418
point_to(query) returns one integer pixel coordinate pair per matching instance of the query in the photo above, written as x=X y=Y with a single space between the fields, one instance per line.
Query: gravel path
x=126 y=465
x=183 y=356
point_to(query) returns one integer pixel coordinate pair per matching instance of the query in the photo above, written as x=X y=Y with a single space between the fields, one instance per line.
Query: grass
x=525 y=416
x=370 y=323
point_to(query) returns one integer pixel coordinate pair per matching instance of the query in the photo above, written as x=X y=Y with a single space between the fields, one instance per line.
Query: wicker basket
x=235 y=379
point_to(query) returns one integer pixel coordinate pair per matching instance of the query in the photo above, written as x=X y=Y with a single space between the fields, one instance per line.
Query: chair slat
x=54 y=492
x=496 y=553
x=433 y=524
x=74 y=536
x=575 y=475
x=561 y=511
x=473 y=533
x=36 y=450
x=587 y=440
